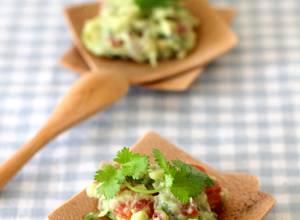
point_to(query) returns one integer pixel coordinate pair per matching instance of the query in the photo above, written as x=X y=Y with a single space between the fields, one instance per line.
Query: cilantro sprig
x=132 y=165
x=183 y=180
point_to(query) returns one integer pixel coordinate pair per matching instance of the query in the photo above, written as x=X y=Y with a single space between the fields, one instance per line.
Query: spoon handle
x=90 y=94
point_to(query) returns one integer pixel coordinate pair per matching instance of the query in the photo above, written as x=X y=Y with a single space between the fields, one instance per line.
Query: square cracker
x=215 y=38
x=245 y=201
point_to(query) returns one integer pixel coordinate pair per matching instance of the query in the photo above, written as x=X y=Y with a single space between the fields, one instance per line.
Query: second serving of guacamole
x=141 y=30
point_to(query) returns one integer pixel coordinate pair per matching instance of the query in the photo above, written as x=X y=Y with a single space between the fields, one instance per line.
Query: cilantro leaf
x=110 y=179
x=148 y=5
x=132 y=164
x=165 y=166
x=188 y=181
x=162 y=161
x=123 y=156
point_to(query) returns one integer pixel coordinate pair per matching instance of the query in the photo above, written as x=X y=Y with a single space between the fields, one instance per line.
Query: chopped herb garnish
x=183 y=180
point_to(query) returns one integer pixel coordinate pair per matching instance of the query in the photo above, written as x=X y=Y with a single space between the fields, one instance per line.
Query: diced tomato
x=189 y=210
x=123 y=211
x=116 y=42
x=144 y=204
x=126 y=210
x=199 y=167
x=214 y=198
x=213 y=194
x=181 y=29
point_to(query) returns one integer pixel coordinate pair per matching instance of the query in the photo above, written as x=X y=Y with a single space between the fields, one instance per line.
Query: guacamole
x=132 y=188
x=131 y=29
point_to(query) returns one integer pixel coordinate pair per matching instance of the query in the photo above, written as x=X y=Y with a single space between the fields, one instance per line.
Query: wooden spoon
x=111 y=80
x=90 y=94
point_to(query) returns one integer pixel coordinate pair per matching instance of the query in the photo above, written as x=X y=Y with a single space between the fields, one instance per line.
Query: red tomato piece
x=181 y=29
x=144 y=204
x=116 y=42
x=199 y=167
x=190 y=210
x=123 y=211
x=214 y=198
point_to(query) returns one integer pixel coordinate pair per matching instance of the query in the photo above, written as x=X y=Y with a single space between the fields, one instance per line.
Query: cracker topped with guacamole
x=132 y=188
x=141 y=30
x=157 y=180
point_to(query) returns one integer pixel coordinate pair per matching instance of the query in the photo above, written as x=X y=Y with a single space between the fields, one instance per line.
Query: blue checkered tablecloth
x=243 y=114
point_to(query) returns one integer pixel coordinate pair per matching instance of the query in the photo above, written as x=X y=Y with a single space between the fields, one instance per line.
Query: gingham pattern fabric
x=243 y=114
